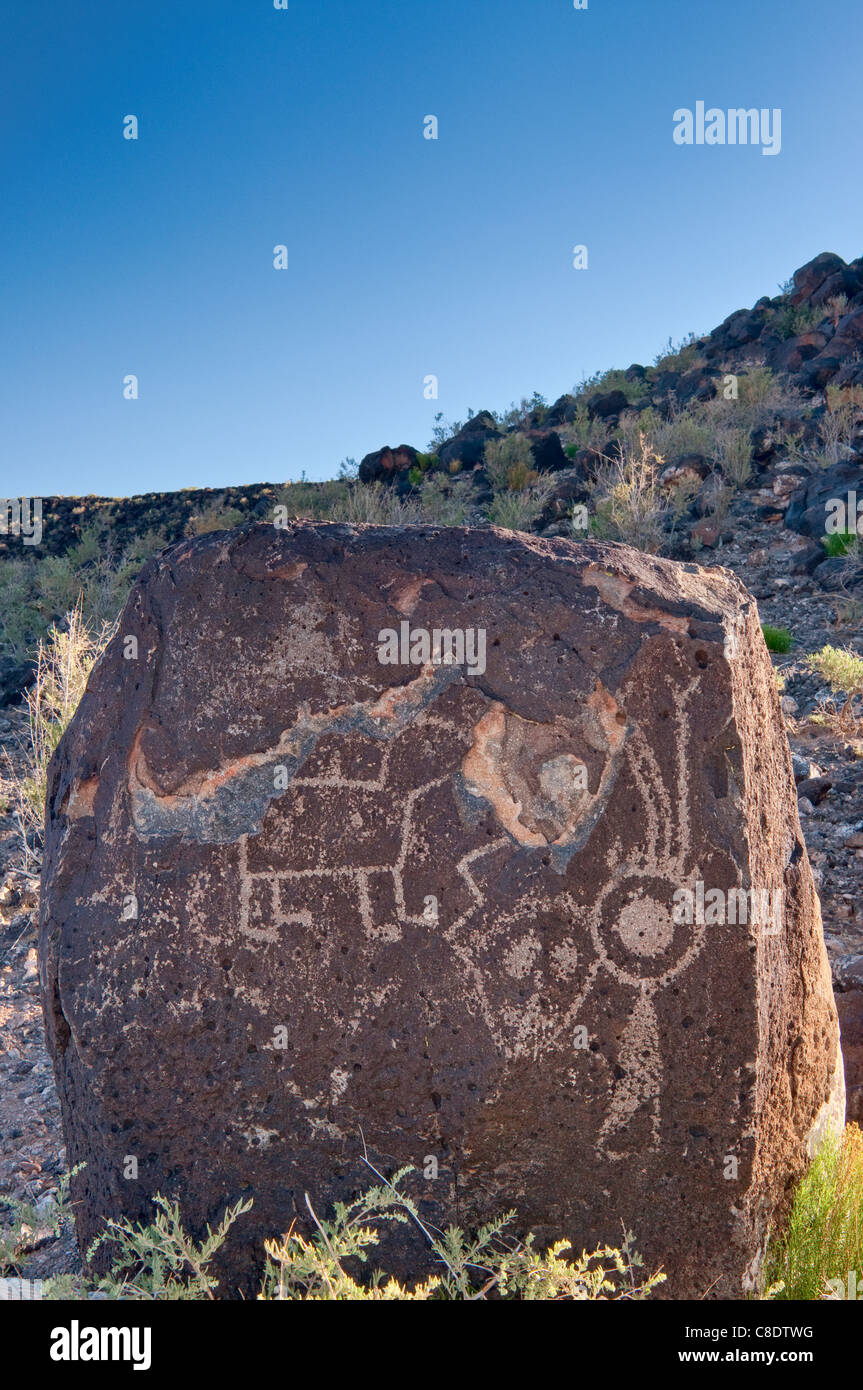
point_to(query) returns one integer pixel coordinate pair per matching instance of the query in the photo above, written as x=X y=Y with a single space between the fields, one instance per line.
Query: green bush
x=824 y=1238
x=509 y=463
x=843 y=671
x=840 y=543
x=160 y=1261
x=777 y=639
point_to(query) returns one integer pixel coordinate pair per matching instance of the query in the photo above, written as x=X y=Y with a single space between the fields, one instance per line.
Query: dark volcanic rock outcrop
x=386 y=464
x=483 y=910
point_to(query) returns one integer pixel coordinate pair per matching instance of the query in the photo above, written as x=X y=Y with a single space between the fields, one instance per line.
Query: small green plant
x=423 y=463
x=843 y=671
x=840 y=543
x=789 y=320
x=23 y=1223
x=824 y=1238
x=161 y=1261
x=777 y=639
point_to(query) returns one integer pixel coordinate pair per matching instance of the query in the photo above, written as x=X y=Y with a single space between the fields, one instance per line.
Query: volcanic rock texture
x=298 y=901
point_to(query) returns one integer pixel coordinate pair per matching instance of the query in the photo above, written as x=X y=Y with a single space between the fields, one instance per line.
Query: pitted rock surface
x=297 y=902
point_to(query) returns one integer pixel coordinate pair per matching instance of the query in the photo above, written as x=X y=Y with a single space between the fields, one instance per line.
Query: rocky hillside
x=742 y=448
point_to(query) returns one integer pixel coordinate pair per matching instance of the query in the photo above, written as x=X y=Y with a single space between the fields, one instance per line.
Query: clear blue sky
x=406 y=256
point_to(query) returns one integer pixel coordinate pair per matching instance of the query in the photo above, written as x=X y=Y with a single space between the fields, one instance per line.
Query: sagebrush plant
x=584 y=432
x=64 y=661
x=22 y=1223
x=517 y=511
x=734 y=454
x=317 y=501
x=842 y=669
x=836 y=430
x=789 y=320
x=509 y=463
x=36 y=592
x=629 y=503
x=683 y=432
x=444 y=500
x=216 y=516
x=824 y=1237
x=678 y=357
x=159 y=1260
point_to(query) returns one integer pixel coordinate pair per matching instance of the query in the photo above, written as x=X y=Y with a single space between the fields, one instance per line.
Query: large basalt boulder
x=387 y=465
x=813 y=274
x=828 y=501
x=315 y=880
x=467 y=445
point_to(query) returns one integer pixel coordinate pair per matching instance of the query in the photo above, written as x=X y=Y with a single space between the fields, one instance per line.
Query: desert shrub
x=63 y=665
x=22 y=1224
x=509 y=463
x=733 y=453
x=843 y=671
x=788 y=319
x=444 y=501
x=424 y=462
x=517 y=511
x=682 y=433
x=214 y=517
x=17 y=615
x=316 y=501
x=160 y=1261
x=629 y=504
x=824 y=1238
x=760 y=396
x=374 y=504
x=519 y=414
x=615 y=379
x=472 y=1266
x=35 y=593
x=679 y=357
x=777 y=639
x=837 y=427
x=583 y=432
x=836 y=306
x=443 y=430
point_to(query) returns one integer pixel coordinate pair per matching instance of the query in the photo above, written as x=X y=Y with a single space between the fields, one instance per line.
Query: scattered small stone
x=814 y=789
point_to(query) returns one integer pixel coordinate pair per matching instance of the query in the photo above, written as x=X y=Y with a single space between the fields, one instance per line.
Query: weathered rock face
x=298 y=898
